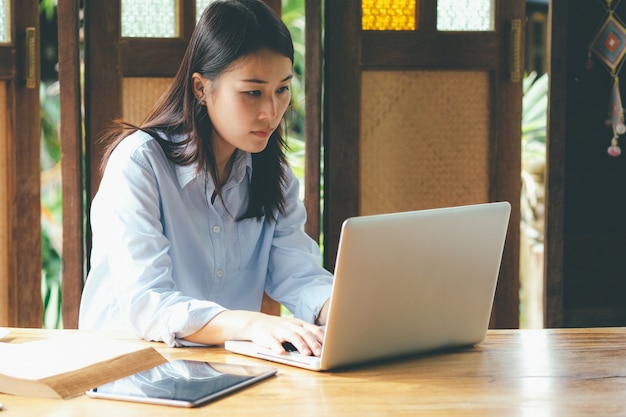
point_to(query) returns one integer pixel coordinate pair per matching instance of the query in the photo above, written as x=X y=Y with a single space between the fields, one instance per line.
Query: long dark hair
x=226 y=31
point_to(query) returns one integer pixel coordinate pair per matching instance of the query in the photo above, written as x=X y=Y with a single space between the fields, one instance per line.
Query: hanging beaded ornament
x=609 y=45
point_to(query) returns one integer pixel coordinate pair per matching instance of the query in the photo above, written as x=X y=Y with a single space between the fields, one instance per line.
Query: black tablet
x=182 y=383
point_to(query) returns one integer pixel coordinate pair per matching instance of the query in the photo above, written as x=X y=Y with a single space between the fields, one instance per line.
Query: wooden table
x=567 y=372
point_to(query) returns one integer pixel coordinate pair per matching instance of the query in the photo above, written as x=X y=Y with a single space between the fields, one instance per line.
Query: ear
x=198 y=83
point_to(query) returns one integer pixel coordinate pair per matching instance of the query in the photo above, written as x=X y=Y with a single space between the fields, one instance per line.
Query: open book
x=68 y=365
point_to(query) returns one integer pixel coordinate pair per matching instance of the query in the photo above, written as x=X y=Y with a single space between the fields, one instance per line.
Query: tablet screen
x=184 y=383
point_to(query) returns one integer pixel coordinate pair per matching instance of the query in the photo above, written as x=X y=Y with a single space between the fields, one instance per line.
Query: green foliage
x=534 y=124
x=51 y=199
x=51 y=206
x=532 y=199
x=534 y=116
x=293 y=16
x=48 y=8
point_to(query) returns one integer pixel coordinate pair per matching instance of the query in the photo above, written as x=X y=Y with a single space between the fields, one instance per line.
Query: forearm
x=162 y=315
x=322 y=317
x=227 y=325
x=263 y=329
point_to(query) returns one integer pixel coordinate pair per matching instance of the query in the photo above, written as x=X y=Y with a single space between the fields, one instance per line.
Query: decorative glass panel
x=149 y=18
x=5 y=21
x=388 y=14
x=465 y=15
x=200 y=6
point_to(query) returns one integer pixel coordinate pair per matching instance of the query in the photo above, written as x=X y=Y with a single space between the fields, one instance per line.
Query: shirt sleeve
x=128 y=235
x=296 y=277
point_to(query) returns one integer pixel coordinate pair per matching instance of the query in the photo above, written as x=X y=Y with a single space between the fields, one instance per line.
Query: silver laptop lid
x=414 y=282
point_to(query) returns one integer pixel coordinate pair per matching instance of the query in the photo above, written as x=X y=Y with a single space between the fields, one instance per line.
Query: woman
x=198 y=213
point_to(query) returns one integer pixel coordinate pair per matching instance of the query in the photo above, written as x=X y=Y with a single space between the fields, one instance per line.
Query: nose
x=269 y=108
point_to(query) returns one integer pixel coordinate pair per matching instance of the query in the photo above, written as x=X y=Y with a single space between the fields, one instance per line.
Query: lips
x=263 y=133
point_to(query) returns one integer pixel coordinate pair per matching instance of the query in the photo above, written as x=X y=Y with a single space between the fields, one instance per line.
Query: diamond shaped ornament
x=610 y=43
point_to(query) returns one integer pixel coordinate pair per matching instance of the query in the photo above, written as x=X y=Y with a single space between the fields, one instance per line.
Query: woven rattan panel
x=139 y=95
x=424 y=140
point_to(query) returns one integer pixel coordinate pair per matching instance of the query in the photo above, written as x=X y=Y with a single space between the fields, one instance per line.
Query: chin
x=257 y=150
x=256 y=147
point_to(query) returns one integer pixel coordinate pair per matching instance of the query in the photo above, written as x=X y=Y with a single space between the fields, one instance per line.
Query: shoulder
x=138 y=147
x=135 y=142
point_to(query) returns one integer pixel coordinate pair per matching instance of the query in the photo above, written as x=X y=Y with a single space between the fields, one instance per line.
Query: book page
x=45 y=358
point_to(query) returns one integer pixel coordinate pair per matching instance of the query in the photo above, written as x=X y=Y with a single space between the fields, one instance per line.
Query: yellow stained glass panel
x=388 y=14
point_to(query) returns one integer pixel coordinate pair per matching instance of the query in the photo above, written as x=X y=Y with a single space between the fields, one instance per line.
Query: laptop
x=407 y=283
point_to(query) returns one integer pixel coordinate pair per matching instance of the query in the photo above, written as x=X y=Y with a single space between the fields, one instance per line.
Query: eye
x=253 y=93
x=282 y=90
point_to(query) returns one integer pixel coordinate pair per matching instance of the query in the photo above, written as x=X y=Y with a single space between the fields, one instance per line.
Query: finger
x=312 y=336
x=318 y=331
x=276 y=346
x=313 y=342
x=314 y=332
x=306 y=342
x=300 y=344
x=270 y=340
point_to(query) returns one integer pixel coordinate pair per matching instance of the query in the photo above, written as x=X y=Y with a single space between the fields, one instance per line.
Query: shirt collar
x=242 y=168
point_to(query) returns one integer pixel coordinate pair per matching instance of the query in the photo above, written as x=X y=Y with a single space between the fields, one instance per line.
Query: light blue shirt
x=165 y=260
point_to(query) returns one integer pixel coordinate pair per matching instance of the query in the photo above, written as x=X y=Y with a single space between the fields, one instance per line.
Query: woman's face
x=247 y=101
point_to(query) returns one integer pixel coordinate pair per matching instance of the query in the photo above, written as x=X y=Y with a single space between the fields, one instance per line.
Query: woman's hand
x=273 y=331
x=263 y=329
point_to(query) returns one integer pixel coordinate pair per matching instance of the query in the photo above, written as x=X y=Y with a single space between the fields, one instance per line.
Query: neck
x=224 y=167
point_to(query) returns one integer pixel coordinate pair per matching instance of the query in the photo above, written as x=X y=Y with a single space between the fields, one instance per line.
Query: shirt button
x=216 y=229
x=219 y=273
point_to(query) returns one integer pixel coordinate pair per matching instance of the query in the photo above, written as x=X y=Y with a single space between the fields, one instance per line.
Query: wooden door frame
x=313 y=124
x=20 y=281
x=72 y=152
x=555 y=165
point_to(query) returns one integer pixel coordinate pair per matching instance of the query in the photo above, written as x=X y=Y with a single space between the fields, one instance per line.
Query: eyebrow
x=257 y=81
